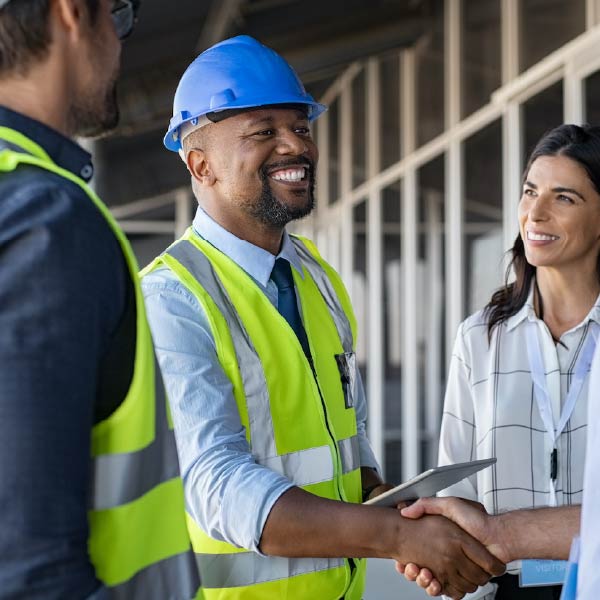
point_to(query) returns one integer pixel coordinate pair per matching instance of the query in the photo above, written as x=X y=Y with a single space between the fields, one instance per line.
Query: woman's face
x=559 y=215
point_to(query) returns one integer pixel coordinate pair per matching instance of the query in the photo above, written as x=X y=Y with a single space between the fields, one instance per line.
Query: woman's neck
x=564 y=298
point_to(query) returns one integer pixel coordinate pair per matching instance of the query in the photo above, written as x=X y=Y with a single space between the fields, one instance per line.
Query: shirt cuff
x=367 y=456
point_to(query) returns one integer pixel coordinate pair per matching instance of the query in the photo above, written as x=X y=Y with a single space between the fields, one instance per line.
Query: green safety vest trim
x=330 y=469
x=138 y=539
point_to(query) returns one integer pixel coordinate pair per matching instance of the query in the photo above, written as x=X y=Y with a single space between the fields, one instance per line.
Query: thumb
x=421 y=507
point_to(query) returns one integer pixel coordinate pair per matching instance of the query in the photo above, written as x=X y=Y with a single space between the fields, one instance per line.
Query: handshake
x=459 y=547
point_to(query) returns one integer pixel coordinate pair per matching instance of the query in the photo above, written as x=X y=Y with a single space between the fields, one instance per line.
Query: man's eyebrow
x=531 y=184
x=268 y=119
x=260 y=121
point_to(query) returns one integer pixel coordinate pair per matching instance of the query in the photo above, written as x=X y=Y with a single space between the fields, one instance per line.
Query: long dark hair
x=579 y=143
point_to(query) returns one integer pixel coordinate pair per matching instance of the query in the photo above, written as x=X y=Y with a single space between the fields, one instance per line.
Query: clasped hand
x=471 y=518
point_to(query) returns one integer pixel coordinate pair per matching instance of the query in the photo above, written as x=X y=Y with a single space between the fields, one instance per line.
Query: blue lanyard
x=542 y=396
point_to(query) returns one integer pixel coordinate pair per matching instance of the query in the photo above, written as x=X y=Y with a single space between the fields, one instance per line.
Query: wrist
x=502 y=537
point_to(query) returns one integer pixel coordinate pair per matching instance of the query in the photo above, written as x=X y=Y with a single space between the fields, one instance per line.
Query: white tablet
x=430 y=482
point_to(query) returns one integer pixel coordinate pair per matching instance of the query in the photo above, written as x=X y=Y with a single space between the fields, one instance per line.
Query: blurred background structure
x=433 y=106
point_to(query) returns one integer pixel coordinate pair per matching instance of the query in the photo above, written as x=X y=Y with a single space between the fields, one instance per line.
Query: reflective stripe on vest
x=248 y=568
x=255 y=385
x=350 y=454
x=306 y=466
x=121 y=478
x=138 y=540
x=156 y=581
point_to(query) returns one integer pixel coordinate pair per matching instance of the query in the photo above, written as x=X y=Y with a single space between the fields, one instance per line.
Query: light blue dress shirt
x=227 y=493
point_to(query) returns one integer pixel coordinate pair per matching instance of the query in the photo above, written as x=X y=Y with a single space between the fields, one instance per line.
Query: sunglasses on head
x=123 y=13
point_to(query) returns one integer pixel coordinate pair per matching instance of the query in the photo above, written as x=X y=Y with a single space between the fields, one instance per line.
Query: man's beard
x=92 y=117
x=272 y=212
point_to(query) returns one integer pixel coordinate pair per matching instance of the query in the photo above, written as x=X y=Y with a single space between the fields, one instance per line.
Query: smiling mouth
x=541 y=237
x=290 y=175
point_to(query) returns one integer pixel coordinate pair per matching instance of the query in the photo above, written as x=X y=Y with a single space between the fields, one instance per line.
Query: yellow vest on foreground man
x=138 y=542
x=127 y=503
x=255 y=337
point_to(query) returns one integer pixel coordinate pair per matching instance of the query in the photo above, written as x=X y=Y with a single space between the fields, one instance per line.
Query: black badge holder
x=346 y=363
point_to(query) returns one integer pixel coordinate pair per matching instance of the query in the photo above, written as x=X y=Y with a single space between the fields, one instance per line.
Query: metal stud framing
x=333 y=225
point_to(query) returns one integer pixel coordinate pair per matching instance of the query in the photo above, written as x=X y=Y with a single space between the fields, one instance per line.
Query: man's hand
x=459 y=563
x=469 y=515
x=302 y=524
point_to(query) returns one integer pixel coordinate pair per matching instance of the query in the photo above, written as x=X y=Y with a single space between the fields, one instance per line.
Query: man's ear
x=199 y=167
x=71 y=16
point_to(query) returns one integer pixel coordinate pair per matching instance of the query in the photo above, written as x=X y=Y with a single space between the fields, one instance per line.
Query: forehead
x=274 y=116
x=557 y=171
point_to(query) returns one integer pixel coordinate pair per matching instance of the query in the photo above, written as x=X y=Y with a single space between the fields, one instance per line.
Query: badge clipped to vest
x=346 y=363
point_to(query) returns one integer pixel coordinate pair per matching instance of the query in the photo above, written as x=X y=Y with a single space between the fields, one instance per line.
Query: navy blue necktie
x=286 y=301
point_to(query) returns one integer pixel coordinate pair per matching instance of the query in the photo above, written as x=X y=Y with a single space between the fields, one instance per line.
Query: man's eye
x=264 y=132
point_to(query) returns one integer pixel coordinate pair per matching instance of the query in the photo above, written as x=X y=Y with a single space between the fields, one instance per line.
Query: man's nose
x=291 y=143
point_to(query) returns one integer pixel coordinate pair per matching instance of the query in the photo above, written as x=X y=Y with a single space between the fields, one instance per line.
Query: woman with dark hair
x=517 y=386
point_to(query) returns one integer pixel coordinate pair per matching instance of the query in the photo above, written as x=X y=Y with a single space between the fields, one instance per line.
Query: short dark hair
x=25 y=35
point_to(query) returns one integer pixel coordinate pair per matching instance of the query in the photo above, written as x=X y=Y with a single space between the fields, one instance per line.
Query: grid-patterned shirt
x=490 y=411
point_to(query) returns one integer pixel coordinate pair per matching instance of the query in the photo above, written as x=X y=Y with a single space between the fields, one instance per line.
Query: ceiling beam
x=218 y=22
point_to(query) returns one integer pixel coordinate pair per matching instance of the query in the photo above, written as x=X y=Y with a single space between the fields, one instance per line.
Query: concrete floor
x=383 y=583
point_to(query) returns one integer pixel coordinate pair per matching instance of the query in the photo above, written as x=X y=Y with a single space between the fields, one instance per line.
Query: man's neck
x=37 y=96
x=239 y=224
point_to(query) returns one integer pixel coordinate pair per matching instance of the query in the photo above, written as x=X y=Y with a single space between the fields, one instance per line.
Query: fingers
x=424 y=578
x=400 y=567
x=411 y=572
x=484 y=560
x=423 y=506
x=454 y=593
x=434 y=588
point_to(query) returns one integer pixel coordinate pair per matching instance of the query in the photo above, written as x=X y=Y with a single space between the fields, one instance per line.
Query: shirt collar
x=257 y=262
x=527 y=311
x=62 y=150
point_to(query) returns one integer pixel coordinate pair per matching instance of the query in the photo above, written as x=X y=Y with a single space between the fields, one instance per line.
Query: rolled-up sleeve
x=227 y=493
x=367 y=456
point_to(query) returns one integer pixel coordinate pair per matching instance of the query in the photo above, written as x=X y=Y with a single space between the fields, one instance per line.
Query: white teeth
x=289 y=175
x=540 y=237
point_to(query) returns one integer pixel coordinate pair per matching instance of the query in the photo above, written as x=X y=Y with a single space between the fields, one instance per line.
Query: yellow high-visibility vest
x=299 y=418
x=138 y=542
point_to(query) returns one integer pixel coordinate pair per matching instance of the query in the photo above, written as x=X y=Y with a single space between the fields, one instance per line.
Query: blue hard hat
x=234 y=74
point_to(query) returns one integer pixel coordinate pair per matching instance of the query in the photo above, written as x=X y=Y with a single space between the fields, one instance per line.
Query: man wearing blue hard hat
x=255 y=335
x=91 y=501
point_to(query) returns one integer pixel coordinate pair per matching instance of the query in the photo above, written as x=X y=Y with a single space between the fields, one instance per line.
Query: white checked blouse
x=490 y=410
